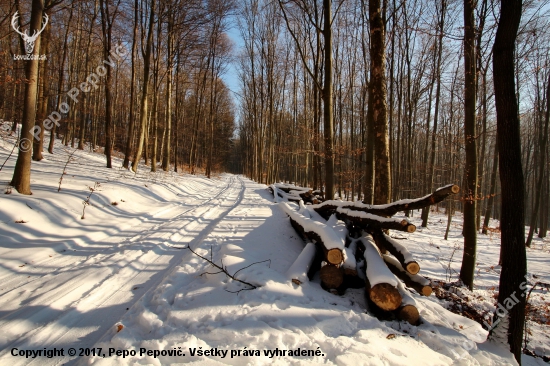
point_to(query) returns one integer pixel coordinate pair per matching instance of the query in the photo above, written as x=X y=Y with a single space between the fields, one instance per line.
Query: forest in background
x=281 y=122
x=177 y=49
x=273 y=129
x=370 y=100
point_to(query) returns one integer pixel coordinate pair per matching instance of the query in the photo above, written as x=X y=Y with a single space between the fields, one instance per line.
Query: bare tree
x=514 y=263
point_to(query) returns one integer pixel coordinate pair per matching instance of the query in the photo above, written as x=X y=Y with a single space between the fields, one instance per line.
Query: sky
x=230 y=77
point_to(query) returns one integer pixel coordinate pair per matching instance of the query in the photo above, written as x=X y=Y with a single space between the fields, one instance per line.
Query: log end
x=408 y=313
x=350 y=272
x=412 y=268
x=385 y=296
x=411 y=228
x=296 y=281
x=331 y=276
x=334 y=256
x=426 y=291
x=455 y=189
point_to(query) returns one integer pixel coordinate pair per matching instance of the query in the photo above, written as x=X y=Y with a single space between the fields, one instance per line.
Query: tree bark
x=327 y=102
x=542 y=166
x=470 y=169
x=42 y=110
x=21 y=180
x=382 y=186
x=146 y=73
x=514 y=263
x=131 y=123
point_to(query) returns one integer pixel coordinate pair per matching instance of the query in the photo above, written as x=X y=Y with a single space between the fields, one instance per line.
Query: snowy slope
x=121 y=278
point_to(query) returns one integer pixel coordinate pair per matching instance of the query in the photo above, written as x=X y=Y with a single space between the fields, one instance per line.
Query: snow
x=338 y=226
x=377 y=271
x=331 y=239
x=300 y=267
x=366 y=215
x=406 y=298
x=407 y=256
x=122 y=278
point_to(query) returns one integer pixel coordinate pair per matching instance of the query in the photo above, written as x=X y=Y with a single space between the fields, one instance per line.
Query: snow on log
x=303 y=210
x=417 y=282
x=350 y=264
x=298 y=271
x=292 y=193
x=381 y=284
x=367 y=221
x=338 y=226
x=408 y=311
x=327 y=208
x=397 y=250
x=333 y=245
x=331 y=276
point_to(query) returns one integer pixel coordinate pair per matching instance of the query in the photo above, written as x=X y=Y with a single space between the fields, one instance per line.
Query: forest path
x=79 y=296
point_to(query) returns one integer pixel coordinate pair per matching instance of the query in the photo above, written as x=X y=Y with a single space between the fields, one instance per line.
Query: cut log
x=369 y=222
x=323 y=235
x=397 y=250
x=385 y=296
x=408 y=311
x=327 y=208
x=298 y=272
x=332 y=277
x=381 y=284
x=417 y=282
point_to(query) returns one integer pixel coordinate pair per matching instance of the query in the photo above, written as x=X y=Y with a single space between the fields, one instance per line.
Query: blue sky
x=231 y=76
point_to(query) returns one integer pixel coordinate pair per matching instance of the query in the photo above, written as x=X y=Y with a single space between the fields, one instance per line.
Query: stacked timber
x=348 y=244
x=291 y=193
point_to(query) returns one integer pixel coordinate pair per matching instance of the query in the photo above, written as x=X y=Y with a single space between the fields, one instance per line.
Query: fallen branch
x=223 y=269
x=327 y=208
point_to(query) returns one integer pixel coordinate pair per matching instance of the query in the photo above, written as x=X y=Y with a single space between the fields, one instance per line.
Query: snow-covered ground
x=122 y=279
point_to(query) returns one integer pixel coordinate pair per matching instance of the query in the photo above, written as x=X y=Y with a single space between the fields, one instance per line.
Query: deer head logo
x=29 y=40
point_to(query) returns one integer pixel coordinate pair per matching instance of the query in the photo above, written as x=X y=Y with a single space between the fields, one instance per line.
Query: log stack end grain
x=334 y=256
x=385 y=296
x=408 y=313
x=332 y=277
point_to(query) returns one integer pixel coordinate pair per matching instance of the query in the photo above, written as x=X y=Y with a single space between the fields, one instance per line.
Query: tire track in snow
x=87 y=312
x=62 y=261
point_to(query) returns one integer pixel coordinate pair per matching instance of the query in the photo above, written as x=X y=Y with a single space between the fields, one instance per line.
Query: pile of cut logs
x=349 y=244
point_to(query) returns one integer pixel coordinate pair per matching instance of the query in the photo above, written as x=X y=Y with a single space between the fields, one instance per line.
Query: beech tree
x=21 y=179
x=514 y=263
x=470 y=168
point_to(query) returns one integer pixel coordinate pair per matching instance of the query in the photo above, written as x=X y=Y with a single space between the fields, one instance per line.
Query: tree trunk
x=542 y=166
x=470 y=169
x=143 y=105
x=131 y=123
x=514 y=263
x=426 y=211
x=382 y=186
x=490 y=202
x=327 y=101
x=38 y=144
x=21 y=180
